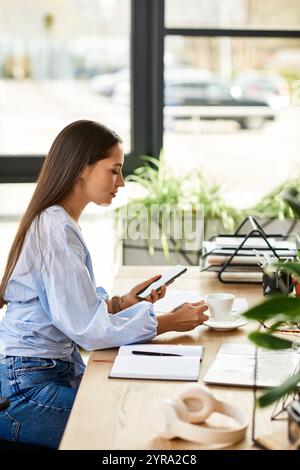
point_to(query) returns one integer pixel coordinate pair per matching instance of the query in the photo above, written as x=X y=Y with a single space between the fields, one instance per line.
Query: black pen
x=149 y=353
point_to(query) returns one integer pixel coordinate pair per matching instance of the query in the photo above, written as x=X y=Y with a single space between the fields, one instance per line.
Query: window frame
x=146 y=114
x=147 y=37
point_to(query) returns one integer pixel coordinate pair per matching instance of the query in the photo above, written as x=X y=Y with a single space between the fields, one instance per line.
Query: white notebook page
x=234 y=365
x=183 y=367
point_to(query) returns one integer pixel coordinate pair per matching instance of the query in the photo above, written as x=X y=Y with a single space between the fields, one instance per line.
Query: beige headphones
x=194 y=404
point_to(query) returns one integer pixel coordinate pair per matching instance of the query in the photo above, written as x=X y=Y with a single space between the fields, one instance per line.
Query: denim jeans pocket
x=33 y=364
x=9 y=426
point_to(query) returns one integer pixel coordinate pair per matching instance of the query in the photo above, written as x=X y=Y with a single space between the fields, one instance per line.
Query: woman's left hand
x=131 y=299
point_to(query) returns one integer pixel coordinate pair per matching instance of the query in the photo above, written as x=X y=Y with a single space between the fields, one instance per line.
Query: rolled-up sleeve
x=79 y=310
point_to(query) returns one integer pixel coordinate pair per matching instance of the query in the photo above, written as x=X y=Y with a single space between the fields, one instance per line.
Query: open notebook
x=184 y=365
x=234 y=365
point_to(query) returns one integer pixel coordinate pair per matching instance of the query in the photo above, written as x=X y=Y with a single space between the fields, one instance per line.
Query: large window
x=231 y=96
x=216 y=82
x=61 y=60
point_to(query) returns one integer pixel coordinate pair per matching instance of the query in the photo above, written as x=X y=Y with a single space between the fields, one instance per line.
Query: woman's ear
x=81 y=178
x=86 y=170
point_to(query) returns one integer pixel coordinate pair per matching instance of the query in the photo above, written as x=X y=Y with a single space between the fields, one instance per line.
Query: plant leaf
x=293 y=268
x=275 y=325
x=165 y=247
x=283 y=307
x=276 y=393
x=268 y=341
x=274 y=204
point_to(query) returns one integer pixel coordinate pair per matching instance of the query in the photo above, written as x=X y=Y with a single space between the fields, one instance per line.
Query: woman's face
x=102 y=180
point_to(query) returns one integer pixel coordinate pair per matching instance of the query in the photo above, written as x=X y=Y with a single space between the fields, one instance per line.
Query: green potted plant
x=274 y=208
x=191 y=198
x=219 y=216
x=281 y=312
x=161 y=189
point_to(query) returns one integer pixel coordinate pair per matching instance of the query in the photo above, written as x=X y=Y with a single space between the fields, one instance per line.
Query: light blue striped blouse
x=54 y=304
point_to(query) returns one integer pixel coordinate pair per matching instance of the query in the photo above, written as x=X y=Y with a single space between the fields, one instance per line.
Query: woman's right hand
x=185 y=317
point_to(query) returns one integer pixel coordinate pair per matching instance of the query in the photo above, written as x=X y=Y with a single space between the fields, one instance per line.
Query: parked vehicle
x=106 y=84
x=207 y=97
x=193 y=93
x=270 y=88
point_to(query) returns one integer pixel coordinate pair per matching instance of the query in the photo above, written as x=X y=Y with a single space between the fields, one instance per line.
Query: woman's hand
x=130 y=299
x=185 y=317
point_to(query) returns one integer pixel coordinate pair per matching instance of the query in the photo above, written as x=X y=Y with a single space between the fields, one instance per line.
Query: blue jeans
x=41 y=394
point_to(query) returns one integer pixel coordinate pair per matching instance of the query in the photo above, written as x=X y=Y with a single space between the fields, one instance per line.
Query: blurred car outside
x=107 y=83
x=191 y=93
x=270 y=88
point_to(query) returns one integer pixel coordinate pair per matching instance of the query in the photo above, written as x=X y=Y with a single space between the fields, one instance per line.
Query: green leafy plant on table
x=277 y=311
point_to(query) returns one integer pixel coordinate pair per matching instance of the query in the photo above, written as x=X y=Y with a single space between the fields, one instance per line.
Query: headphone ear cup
x=198 y=401
x=180 y=407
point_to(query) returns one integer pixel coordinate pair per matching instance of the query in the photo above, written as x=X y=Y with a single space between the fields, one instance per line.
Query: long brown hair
x=79 y=144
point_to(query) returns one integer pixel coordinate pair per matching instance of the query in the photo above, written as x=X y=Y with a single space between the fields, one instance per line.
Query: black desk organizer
x=256 y=232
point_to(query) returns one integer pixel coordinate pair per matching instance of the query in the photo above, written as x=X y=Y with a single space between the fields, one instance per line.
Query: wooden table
x=116 y=413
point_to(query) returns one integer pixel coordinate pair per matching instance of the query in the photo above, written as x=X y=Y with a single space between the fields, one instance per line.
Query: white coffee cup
x=220 y=306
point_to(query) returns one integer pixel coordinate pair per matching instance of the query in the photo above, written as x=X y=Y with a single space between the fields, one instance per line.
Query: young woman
x=53 y=304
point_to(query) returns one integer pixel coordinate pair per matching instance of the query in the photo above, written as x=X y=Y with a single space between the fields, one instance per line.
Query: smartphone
x=166 y=278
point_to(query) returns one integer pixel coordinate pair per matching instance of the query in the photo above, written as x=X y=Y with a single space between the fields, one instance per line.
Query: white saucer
x=226 y=325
